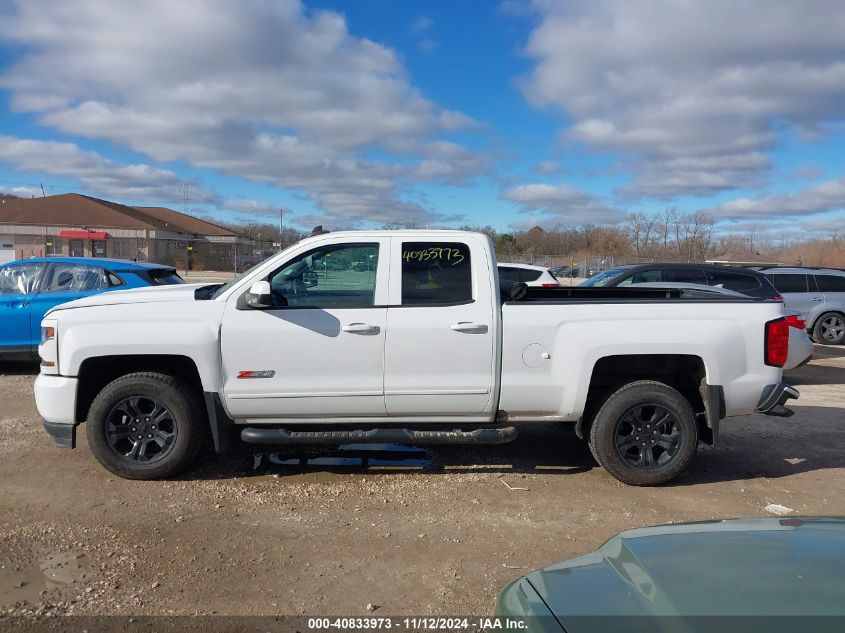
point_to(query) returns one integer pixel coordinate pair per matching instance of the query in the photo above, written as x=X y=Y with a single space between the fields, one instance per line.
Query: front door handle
x=469 y=327
x=361 y=328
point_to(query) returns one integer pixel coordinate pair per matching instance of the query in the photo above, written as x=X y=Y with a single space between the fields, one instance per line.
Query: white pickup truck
x=406 y=337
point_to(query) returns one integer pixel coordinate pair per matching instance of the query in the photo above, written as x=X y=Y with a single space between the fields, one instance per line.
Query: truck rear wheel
x=145 y=425
x=645 y=434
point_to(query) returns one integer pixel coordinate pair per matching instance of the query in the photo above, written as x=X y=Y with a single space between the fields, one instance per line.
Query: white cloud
x=268 y=91
x=422 y=24
x=561 y=204
x=690 y=94
x=138 y=182
x=817 y=199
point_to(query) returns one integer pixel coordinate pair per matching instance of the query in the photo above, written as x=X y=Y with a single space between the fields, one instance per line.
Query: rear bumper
x=774 y=397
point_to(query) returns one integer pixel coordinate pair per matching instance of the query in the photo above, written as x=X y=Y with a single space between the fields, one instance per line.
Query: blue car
x=29 y=288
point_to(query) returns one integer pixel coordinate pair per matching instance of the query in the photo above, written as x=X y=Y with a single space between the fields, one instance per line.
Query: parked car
x=30 y=288
x=819 y=294
x=532 y=276
x=800 y=345
x=418 y=350
x=744 y=280
x=732 y=575
x=561 y=272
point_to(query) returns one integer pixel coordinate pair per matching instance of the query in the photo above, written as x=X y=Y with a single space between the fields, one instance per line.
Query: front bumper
x=55 y=397
x=774 y=397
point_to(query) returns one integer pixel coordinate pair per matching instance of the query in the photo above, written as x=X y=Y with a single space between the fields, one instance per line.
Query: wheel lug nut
x=154 y=428
x=643 y=443
x=133 y=429
x=140 y=437
x=147 y=419
x=150 y=435
x=655 y=432
x=652 y=441
x=648 y=426
x=638 y=437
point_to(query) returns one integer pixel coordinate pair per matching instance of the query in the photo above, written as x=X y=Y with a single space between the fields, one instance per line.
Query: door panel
x=17 y=287
x=440 y=347
x=799 y=292
x=320 y=348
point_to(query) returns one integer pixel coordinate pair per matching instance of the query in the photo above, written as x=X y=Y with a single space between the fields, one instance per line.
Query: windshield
x=603 y=278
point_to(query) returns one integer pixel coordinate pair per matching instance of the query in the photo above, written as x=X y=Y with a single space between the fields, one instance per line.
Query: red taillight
x=796 y=320
x=777 y=342
x=778 y=298
x=550 y=285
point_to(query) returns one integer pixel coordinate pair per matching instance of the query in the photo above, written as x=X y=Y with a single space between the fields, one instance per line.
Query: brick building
x=76 y=225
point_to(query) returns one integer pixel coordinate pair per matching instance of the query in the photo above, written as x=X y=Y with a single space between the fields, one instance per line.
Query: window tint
x=74 y=278
x=684 y=276
x=334 y=276
x=642 y=277
x=19 y=279
x=508 y=276
x=732 y=280
x=526 y=274
x=161 y=277
x=789 y=283
x=831 y=283
x=435 y=273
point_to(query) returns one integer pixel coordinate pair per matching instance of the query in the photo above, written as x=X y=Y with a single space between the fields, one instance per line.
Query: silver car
x=818 y=294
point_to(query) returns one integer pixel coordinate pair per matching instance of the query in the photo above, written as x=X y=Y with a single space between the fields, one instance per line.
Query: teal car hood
x=791 y=567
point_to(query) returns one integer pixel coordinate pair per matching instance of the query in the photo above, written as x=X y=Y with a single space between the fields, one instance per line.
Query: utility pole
x=281 y=228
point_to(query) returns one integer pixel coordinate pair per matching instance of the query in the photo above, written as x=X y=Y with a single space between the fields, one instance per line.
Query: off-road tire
x=617 y=411
x=186 y=418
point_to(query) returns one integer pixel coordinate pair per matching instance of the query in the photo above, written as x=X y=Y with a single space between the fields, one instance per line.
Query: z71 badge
x=264 y=373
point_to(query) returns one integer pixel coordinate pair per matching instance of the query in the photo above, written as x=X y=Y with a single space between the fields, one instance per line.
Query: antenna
x=186 y=186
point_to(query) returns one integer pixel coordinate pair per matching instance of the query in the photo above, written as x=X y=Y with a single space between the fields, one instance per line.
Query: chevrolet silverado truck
x=404 y=337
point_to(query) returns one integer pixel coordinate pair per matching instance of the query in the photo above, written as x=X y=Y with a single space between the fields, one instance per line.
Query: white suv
x=818 y=294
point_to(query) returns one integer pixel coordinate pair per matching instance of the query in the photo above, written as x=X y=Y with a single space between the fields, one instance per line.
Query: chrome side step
x=500 y=435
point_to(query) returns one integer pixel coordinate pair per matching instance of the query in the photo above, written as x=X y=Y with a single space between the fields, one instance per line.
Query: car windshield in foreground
x=603 y=278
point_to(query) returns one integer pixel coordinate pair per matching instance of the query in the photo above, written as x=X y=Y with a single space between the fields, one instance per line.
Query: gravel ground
x=439 y=533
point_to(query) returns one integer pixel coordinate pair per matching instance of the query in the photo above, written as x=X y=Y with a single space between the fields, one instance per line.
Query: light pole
x=281 y=228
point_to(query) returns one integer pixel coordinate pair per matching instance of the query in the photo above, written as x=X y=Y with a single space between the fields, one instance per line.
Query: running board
x=499 y=435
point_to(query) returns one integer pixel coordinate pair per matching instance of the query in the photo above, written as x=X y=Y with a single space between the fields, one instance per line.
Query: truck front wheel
x=645 y=434
x=145 y=425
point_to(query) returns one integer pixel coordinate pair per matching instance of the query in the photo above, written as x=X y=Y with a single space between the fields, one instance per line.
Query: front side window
x=789 y=283
x=333 y=276
x=19 y=279
x=74 y=278
x=436 y=273
x=831 y=283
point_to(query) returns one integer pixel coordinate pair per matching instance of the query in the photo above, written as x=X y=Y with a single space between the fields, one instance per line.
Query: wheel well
x=96 y=373
x=821 y=314
x=685 y=373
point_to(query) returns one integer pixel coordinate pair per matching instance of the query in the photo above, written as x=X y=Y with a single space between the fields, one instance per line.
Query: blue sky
x=509 y=113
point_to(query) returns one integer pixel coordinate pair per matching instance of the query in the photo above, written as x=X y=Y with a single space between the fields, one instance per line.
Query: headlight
x=48 y=350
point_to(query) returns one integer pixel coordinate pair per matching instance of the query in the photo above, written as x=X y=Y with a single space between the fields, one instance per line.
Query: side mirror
x=309 y=278
x=259 y=295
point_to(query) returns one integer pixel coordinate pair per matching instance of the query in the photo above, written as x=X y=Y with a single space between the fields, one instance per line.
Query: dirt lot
x=439 y=533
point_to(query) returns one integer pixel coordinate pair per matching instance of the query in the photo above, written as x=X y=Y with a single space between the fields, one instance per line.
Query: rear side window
x=684 y=276
x=436 y=273
x=160 y=276
x=528 y=274
x=74 y=278
x=831 y=283
x=508 y=276
x=731 y=280
x=789 y=283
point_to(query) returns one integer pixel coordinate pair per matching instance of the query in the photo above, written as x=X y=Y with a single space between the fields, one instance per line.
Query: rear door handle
x=818 y=298
x=361 y=328
x=469 y=327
